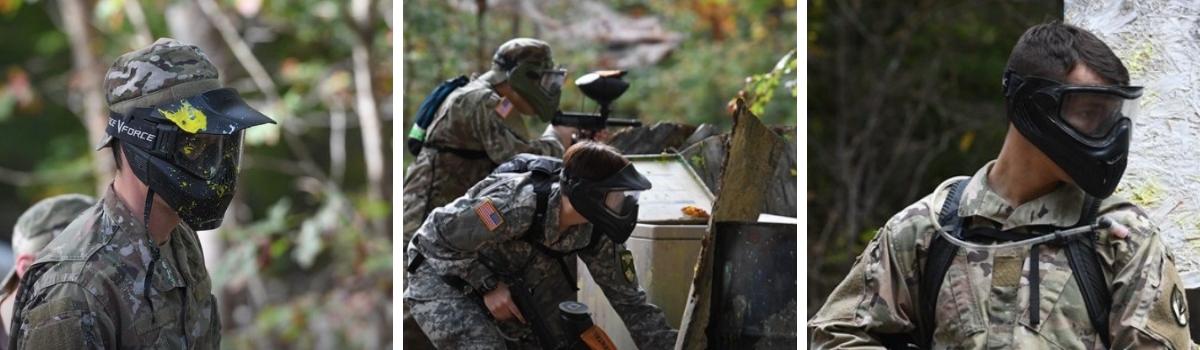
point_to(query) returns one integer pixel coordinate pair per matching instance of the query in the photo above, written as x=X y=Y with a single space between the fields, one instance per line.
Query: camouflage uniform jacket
x=469 y=119
x=984 y=300
x=88 y=288
x=457 y=241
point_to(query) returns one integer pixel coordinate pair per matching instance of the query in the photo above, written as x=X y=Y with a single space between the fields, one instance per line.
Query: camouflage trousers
x=456 y=323
x=414 y=337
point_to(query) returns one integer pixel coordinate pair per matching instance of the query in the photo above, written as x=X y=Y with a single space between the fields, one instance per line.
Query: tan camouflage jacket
x=984 y=300
x=457 y=241
x=476 y=118
x=88 y=288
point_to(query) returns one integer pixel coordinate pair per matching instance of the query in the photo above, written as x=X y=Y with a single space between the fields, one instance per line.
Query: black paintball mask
x=610 y=204
x=1084 y=129
x=188 y=152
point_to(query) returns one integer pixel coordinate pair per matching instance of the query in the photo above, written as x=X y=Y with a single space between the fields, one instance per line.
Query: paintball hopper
x=583 y=332
x=603 y=86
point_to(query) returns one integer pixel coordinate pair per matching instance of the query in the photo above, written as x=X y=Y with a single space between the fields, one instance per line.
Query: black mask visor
x=188 y=152
x=610 y=204
x=1084 y=129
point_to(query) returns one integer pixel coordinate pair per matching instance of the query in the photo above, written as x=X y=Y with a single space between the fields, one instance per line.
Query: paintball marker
x=603 y=87
x=581 y=333
x=528 y=306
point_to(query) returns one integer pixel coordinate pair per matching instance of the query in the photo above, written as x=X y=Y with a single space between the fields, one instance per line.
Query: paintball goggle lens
x=1091 y=111
x=203 y=154
x=615 y=201
x=1094 y=114
x=552 y=79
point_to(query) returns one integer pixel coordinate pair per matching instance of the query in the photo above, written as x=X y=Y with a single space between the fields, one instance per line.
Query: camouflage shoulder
x=95 y=254
x=1141 y=227
x=917 y=222
x=79 y=240
x=508 y=191
x=913 y=228
x=511 y=193
x=478 y=95
x=493 y=185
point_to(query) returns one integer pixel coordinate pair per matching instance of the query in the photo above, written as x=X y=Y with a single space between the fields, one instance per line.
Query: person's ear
x=24 y=261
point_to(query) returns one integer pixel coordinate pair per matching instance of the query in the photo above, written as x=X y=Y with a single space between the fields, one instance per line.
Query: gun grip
x=596 y=339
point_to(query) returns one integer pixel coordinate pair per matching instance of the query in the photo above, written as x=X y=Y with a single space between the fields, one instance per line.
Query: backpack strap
x=1081 y=255
x=937 y=261
x=534 y=235
x=1089 y=274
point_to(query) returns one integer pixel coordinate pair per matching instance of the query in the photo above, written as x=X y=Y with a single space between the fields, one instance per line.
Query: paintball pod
x=581 y=332
x=603 y=87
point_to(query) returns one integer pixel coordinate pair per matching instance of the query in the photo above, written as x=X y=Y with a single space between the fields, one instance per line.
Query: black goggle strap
x=156 y=138
x=1010 y=82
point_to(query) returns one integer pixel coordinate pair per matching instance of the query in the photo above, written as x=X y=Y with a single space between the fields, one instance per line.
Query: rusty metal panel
x=754 y=287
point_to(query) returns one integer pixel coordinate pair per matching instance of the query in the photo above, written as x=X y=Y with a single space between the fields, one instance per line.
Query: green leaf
x=309 y=243
x=8 y=105
x=107 y=8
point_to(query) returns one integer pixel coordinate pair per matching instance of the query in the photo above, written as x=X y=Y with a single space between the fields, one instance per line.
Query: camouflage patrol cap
x=166 y=71
x=520 y=50
x=39 y=224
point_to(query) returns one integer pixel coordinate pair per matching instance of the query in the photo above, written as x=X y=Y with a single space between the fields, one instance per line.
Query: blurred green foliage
x=300 y=264
x=724 y=42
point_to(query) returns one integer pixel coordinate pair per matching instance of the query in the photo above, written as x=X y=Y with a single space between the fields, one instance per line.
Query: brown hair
x=592 y=160
x=1052 y=49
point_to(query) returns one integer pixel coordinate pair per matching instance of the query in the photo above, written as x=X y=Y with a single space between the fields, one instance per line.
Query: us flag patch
x=488 y=214
x=504 y=108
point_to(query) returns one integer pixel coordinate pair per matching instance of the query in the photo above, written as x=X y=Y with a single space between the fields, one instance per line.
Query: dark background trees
x=901 y=96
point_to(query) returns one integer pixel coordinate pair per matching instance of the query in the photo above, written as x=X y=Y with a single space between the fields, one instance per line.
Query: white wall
x=1159 y=41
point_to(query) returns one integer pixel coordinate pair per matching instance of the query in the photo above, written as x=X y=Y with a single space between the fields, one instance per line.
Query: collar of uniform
x=120 y=217
x=492 y=78
x=1060 y=207
x=554 y=237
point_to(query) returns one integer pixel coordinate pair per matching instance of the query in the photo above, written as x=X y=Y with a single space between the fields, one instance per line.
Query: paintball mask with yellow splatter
x=179 y=129
x=188 y=152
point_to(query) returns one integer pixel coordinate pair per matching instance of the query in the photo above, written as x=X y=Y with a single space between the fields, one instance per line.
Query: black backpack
x=428 y=109
x=544 y=171
x=1081 y=256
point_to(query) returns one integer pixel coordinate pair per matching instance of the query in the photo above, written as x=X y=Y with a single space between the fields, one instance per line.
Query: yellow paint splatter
x=1140 y=58
x=1145 y=193
x=187 y=118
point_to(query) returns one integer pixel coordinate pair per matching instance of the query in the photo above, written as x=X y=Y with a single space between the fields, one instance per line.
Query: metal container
x=665 y=244
x=754 y=287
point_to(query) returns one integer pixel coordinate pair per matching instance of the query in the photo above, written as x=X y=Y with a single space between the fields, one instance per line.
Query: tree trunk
x=368 y=113
x=88 y=72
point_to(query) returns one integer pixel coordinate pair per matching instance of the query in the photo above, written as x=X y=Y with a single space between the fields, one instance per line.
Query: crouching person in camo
x=1032 y=251
x=488 y=270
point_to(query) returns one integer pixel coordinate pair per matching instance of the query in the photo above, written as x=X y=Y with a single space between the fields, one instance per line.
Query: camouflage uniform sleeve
x=1149 y=306
x=71 y=318
x=646 y=322
x=501 y=143
x=877 y=296
x=459 y=233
